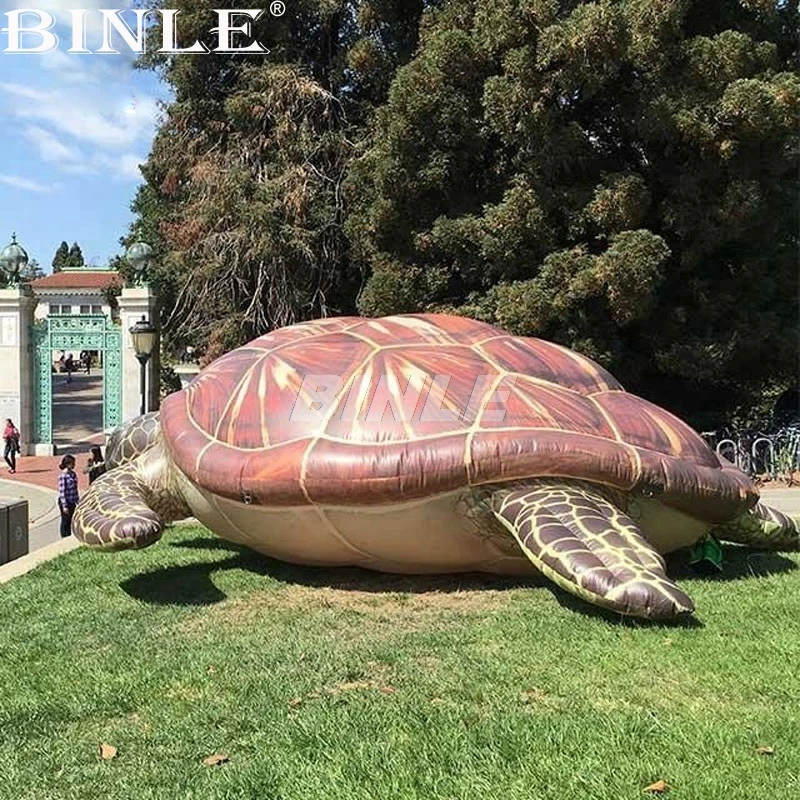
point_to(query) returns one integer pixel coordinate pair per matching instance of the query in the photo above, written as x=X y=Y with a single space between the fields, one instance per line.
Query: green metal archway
x=76 y=332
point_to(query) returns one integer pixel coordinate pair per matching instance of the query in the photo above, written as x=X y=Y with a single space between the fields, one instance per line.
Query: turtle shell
x=352 y=411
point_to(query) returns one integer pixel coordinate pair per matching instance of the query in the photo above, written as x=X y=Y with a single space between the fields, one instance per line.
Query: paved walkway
x=786 y=500
x=77 y=425
x=77 y=412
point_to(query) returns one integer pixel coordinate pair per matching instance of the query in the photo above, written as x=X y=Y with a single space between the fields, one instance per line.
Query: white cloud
x=124 y=167
x=26 y=184
x=129 y=166
x=93 y=118
x=49 y=146
x=28 y=92
x=69 y=68
x=79 y=113
x=62 y=5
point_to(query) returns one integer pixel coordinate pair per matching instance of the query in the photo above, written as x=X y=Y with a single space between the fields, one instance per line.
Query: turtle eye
x=650 y=489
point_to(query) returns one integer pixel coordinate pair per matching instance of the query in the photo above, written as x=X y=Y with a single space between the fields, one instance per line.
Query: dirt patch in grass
x=407 y=611
x=374 y=677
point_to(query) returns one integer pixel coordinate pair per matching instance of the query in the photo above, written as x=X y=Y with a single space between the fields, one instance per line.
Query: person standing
x=96 y=466
x=67 y=494
x=69 y=365
x=11 y=440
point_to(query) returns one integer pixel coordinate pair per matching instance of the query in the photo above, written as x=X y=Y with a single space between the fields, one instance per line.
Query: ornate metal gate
x=76 y=332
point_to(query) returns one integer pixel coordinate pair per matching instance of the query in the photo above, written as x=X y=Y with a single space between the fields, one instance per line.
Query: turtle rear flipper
x=114 y=514
x=762 y=527
x=587 y=546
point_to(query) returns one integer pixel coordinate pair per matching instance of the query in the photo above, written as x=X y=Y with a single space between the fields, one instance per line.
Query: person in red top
x=11 y=439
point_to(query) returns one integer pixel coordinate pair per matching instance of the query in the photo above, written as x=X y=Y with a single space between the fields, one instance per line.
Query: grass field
x=351 y=685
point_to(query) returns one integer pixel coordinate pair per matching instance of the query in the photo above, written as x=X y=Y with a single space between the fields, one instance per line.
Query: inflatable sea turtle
x=430 y=444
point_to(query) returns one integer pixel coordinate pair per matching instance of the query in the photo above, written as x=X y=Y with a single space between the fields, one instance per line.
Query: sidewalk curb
x=25 y=564
x=51 y=513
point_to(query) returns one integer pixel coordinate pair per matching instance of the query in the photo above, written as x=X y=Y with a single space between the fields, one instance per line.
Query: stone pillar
x=136 y=302
x=16 y=361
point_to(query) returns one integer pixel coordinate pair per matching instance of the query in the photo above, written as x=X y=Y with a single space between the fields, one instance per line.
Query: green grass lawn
x=349 y=685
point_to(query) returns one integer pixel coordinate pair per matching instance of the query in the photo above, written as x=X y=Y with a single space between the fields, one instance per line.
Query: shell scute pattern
x=127 y=443
x=234 y=430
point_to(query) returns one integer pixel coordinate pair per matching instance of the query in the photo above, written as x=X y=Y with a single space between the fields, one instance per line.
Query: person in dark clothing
x=96 y=466
x=67 y=493
x=11 y=440
x=69 y=365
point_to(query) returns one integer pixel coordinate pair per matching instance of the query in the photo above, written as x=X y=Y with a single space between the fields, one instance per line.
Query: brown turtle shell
x=422 y=404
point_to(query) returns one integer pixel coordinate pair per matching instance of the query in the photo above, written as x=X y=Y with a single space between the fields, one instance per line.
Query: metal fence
x=775 y=455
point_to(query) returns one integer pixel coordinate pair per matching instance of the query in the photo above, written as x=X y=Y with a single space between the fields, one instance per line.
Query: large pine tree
x=60 y=257
x=243 y=196
x=616 y=176
x=75 y=256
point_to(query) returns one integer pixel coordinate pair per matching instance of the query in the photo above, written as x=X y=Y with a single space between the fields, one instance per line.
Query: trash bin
x=13 y=530
x=3 y=535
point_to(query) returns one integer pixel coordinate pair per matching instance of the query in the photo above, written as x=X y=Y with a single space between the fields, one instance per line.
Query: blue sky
x=73 y=130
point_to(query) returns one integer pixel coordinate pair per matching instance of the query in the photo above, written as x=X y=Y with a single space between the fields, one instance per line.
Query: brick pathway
x=43 y=471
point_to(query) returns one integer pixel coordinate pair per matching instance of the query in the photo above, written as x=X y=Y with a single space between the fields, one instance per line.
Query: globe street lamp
x=13 y=260
x=143 y=335
x=139 y=256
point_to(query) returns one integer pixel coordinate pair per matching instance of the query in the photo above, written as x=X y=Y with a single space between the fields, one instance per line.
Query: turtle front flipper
x=762 y=527
x=114 y=514
x=580 y=540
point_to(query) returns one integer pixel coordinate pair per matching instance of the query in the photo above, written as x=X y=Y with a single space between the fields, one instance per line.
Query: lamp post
x=143 y=334
x=13 y=260
x=139 y=256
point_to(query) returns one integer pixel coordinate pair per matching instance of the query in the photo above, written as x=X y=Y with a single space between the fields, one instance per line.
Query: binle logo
x=30 y=30
x=381 y=398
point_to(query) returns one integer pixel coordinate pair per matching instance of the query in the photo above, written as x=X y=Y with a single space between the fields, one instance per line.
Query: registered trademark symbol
x=277 y=8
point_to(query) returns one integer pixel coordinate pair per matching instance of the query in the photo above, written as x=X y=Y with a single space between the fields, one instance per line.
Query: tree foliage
x=33 y=270
x=67 y=257
x=243 y=196
x=74 y=257
x=60 y=257
x=616 y=176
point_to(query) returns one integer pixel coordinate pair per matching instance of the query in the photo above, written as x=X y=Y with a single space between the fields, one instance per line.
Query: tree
x=33 y=270
x=60 y=258
x=243 y=199
x=75 y=257
x=615 y=176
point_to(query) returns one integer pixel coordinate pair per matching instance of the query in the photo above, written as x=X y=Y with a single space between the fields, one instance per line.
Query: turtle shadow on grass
x=192 y=584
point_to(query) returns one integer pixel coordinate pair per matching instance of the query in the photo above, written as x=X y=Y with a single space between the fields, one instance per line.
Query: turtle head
x=129 y=506
x=762 y=527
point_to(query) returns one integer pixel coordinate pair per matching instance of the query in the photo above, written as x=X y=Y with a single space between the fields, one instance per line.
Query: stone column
x=16 y=361
x=136 y=302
